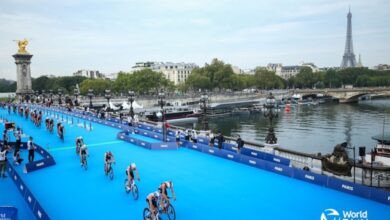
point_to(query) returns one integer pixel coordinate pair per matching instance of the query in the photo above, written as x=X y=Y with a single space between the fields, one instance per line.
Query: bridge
x=345 y=95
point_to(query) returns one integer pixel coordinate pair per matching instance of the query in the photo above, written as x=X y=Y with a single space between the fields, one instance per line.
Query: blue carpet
x=207 y=187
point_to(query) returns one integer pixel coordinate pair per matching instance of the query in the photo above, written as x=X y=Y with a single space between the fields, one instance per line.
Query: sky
x=111 y=35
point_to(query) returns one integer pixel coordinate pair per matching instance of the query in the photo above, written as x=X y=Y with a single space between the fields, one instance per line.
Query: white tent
x=113 y=107
x=126 y=105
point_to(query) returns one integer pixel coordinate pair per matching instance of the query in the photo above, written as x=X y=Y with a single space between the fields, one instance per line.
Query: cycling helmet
x=156 y=194
x=133 y=165
x=169 y=184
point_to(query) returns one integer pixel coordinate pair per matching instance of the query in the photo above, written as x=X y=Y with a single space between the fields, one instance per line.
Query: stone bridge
x=346 y=95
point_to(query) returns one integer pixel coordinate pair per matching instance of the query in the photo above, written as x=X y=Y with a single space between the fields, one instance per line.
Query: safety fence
x=27 y=195
x=282 y=166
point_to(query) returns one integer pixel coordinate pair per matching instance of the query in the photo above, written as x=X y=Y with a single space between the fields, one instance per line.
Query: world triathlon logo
x=332 y=214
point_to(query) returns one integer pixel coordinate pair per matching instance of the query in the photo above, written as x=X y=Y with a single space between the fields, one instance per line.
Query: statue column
x=23 y=71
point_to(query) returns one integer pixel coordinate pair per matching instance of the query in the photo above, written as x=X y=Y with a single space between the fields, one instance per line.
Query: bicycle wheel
x=127 y=189
x=171 y=212
x=85 y=164
x=147 y=214
x=135 y=192
x=111 y=173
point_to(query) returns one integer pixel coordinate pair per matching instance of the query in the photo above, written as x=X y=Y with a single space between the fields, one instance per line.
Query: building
x=175 y=72
x=289 y=71
x=382 y=67
x=237 y=70
x=143 y=65
x=92 y=74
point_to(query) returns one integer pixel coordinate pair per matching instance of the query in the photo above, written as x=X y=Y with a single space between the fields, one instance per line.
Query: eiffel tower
x=349 y=59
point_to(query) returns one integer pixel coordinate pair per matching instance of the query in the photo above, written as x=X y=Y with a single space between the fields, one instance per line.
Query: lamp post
x=354 y=163
x=271 y=114
x=76 y=94
x=107 y=94
x=204 y=99
x=51 y=96
x=59 y=96
x=161 y=102
x=36 y=96
x=90 y=95
x=43 y=92
x=131 y=100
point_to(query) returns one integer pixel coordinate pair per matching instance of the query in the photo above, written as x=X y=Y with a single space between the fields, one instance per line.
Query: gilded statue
x=22 y=45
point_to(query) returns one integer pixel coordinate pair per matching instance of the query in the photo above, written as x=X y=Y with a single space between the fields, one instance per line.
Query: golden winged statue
x=22 y=45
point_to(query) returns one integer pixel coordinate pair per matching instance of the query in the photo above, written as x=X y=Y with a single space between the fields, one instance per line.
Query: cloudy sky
x=111 y=35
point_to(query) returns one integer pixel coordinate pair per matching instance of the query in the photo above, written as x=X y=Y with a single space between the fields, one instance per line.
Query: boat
x=381 y=152
x=172 y=113
x=241 y=111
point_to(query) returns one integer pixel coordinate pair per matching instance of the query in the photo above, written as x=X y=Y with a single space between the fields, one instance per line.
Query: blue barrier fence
x=282 y=166
x=8 y=213
x=126 y=136
x=28 y=196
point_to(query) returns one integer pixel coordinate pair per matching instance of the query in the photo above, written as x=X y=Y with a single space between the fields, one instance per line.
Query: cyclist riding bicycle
x=79 y=143
x=83 y=154
x=152 y=199
x=164 y=194
x=108 y=160
x=130 y=174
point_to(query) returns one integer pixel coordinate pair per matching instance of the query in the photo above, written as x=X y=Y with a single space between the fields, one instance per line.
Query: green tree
x=98 y=86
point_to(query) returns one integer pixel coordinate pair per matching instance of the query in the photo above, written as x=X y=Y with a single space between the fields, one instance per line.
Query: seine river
x=314 y=129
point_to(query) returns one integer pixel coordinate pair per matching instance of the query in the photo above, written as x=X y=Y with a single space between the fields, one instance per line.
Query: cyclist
x=152 y=199
x=108 y=160
x=164 y=194
x=130 y=175
x=83 y=154
x=79 y=143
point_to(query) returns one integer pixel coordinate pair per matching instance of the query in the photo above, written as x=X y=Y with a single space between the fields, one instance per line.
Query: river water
x=313 y=129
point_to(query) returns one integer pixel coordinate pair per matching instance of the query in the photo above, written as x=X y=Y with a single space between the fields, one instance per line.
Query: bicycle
x=84 y=162
x=133 y=188
x=110 y=171
x=169 y=211
x=77 y=149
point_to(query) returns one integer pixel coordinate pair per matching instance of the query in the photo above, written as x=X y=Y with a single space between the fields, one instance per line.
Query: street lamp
x=107 y=94
x=90 y=95
x=161 y=102
x=51 y=96
x=59 y=96
x=354 y=163
x=131 y=100
x=204 y=99
x=271 y=114
x=76 y=94
x=43 y=96
x=36 y=96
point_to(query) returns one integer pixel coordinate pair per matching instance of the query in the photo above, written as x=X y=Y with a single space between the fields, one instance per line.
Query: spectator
x=240 y=143
x=220 y=139
x=177 y=135
x=187 y=134
x=30 y=148
x=17 y=159
x=5 y=138
x=18 y=137
x=130 y=120
x=194 y=136
x=211 y=139
x=3 y=161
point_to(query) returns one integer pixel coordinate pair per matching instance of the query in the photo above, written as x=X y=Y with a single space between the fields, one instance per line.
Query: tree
x=98 y=86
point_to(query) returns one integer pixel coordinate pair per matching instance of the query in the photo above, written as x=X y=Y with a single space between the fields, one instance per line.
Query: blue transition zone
x=206 y=187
